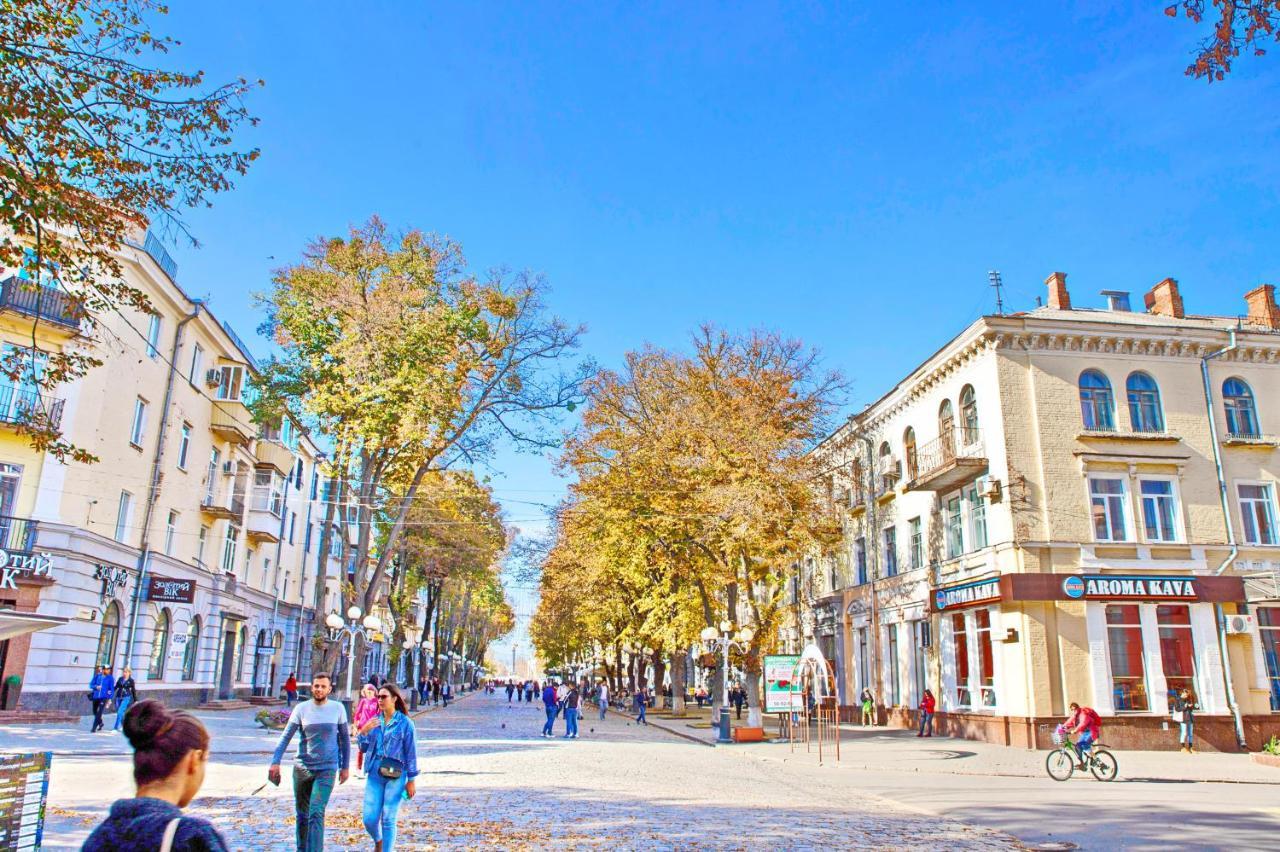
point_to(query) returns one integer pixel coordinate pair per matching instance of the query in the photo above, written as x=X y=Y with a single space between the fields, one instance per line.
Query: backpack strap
x=170 y=832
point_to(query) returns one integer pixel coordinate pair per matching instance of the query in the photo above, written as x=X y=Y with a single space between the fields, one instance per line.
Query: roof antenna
x=994 y=277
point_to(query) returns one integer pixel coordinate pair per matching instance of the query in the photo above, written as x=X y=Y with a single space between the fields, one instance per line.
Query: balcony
x=949 y=461
x=223 y=503
x=19 y=406
x=273 y=454
x=17 y=535
x=231 y=420
x=43 y=302
x=262 y=526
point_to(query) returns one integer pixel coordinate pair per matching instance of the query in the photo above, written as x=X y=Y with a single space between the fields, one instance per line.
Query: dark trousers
x=311 y=791
x=739 y=709
x=99 y=704
x=926 y=723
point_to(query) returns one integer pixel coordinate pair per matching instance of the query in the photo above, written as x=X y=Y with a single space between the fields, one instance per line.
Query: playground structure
x=814 y=678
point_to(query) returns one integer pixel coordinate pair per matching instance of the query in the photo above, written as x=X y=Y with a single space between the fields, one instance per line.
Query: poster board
x=778 y=695
x=24 y=792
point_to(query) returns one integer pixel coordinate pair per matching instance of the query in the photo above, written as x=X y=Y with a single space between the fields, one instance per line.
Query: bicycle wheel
x=1060 y=764
x=1104 y=766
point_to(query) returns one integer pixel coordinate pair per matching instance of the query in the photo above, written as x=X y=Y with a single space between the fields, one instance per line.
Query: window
x=895 y=691
x=139 y=427
x=1124 y=647
x=231 y=385
x=969 y=415
x=1159 y=510
x=297 y=476
x=1269 y=632
x=1242 y=416
x=977 y=518
x=293 y=520
x=864 y=670
x=1144 y=403
x=242 y=640
x=191 y=649
x=184 y=445
x=215 y=461
x=229 y=544
x=201 y=540
x=306 y=542
x=266 y=574
x=20 y=392
x=986 y=659
x=159 y=646
x=170 y=532
x=947 y=429
x=909 y=452
x=248 y=562
x=123 y=512
x=1177 y=653
x=891 y=551
x=920 y=637
x=268 y=491
x=1257 y=507
x=1106 y=497
x=955 y=530
x=107 y=637
x=917 y=543
x=153 y=337
x=197 y=363
x=960 y=643
x=860 y=559
x=1096 y=408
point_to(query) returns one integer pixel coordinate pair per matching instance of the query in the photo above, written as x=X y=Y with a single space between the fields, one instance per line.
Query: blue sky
x=843 y=174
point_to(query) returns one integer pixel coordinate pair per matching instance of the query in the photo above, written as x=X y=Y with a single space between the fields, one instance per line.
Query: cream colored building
x=1035 y=516
x=189 y=550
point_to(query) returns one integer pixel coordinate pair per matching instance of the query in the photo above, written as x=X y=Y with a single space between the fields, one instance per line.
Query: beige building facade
x=1068 y=504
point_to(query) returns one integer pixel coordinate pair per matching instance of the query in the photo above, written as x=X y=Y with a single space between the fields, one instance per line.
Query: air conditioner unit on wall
x=213 y=377
x=1237 y=624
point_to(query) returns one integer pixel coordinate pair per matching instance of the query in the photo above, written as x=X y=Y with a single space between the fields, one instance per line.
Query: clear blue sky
x=841 y=174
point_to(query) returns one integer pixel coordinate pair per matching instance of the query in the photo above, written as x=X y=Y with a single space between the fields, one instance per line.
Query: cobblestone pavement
x=489 y=779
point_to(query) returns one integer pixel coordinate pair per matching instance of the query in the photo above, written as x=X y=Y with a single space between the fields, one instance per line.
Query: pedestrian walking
x=124 y=693
x=927 y=705
x=422 y=689
x=511 y=689
x=571 y=701
x=529 y=688
x=738 y=697
x=1184 y=713
x=446 y=693
x=324 y=752
x=642 y=704
x=366 y=708
x=435 y=690
x=390 y=741
x=549 y=704
x=170 y=755
x=868 y=702
x=291 y=689
x=102 y=688
x=602 y=698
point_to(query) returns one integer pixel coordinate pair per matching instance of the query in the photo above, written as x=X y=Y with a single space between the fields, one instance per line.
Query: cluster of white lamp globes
x=725 y=638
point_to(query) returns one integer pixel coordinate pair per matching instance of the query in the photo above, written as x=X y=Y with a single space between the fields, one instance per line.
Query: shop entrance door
x=228 y=660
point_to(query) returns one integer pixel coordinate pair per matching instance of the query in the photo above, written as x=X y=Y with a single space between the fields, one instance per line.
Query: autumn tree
x=1238 y=25
x=97 y=141
x=410 y=365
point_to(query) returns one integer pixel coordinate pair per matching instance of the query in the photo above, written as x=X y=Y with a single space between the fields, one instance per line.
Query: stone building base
x=77 y=703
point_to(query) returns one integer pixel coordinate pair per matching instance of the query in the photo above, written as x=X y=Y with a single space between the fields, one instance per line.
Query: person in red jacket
x=927 y=705
x=1087 y=724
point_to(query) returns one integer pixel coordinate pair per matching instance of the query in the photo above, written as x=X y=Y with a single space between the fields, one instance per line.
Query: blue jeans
x=549 y=727
x=1186 y=732
x=311 y=791
x=1084 y=744
x=640 y=708
x=604 y=706
x=382 y=798
x=926 y=721
x=570 y=721
x=121 y=707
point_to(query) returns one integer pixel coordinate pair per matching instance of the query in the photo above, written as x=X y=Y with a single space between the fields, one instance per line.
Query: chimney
x=1263 y=310
x=1165 y=300
x=1059 y=298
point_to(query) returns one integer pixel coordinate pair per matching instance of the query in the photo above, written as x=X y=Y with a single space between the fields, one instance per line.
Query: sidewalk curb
x=693 y=738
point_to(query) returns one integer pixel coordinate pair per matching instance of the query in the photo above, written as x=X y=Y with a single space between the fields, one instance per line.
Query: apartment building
x=1067 y=504
x=189 y=550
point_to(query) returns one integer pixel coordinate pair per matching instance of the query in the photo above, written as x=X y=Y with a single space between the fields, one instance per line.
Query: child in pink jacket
x=366 y=709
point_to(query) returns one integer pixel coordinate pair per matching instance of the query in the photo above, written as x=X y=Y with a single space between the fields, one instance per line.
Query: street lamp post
x=410 y=645
x=338 y=627
x=724 y=639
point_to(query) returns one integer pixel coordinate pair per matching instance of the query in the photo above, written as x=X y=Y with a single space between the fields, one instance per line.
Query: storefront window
x=1177 y=654
x=986 y=659
x=190 y=650
x=960 y=640
x=1124 y=644
x=159 y=646
x=895 y=692
x=107 y=638
x=242 y=640
x=1269 y=631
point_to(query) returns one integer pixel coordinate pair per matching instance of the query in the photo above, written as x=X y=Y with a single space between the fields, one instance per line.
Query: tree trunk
x=678 y=660
x=617 y=668
x=659 y=675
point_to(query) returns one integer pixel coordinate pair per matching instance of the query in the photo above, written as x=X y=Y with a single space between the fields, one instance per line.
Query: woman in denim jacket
x=388 y=740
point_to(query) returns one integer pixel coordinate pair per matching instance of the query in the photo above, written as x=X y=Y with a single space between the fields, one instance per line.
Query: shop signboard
x=778 y=695
x=170 y=590
x=966 y=594
x=24 y=792
x=1153 y=588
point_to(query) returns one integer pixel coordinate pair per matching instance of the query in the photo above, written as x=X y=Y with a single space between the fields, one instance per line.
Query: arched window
x=1144 y=403
x=242 y=639
x=947 y=429
x=107 y=638
x=159 y=646
x=191 y=649
x=1097 y=409
x=909 y=452
x=1242 y=416
x=969 y=415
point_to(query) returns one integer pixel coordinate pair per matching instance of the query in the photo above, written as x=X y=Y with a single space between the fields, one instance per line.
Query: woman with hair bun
x=170 y=754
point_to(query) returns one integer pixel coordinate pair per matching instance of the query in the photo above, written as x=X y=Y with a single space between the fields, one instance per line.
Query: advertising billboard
x=778 y=696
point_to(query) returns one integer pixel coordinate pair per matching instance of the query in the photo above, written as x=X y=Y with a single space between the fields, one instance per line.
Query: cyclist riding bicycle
x=1085 y=722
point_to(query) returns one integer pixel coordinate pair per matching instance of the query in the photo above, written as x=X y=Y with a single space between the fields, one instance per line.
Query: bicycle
x=1061 y=761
